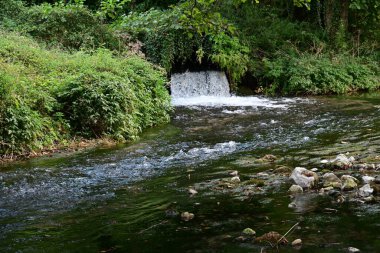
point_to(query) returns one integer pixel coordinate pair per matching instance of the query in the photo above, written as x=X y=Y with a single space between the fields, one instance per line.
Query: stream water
x=126 y=198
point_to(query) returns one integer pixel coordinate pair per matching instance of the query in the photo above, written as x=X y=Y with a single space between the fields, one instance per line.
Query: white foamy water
x=203 y=83
x=211 y=89
x=233 y=101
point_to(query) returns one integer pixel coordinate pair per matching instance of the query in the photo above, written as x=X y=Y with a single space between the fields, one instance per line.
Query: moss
x=254 y=181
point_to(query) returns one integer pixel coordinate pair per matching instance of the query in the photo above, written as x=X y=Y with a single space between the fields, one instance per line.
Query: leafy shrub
x=118 y=101
x=230 y=55
x=11 y=13
x=72 y=26
x=165 y=40
x=170 y=37
x=315 y=75
x=47 y=96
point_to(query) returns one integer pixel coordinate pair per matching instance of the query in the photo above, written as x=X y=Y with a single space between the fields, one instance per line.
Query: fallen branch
x=288 y=232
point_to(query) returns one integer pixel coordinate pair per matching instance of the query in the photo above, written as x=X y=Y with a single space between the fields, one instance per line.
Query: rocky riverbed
x=339 y=180
x=285 y=175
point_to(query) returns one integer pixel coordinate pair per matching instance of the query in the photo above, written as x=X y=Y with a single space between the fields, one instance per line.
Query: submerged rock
x=186 y=216
x=254 y=181
x=294 y=189
x=296 y=242
x=235 y=179
x=353 y=250
x=249 y=231
x=331 y=180
x=304 y=178
x=376 y=187
x=365 y=191
x=282 y=169
x=267 y=158
x=192 y=191
x=272 y=237
x=233 y=173
x=171 y=213
x=349 y=182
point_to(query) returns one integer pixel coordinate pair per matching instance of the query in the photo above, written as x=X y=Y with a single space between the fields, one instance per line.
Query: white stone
x=365 y=191
x=297 y=242
x=234 y=173
x=303 y=177
x=295 y=189
x=192 y=191
x=235 y=179
x=368 y=179
x=353 y=250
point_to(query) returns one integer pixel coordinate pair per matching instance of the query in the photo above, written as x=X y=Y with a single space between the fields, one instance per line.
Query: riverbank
x=50 y=97
x=69 y=148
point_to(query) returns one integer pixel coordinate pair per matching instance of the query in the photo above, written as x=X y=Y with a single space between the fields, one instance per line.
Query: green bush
x=170 y=39
x=11 y=13
x=49 y=96
x=316 y=75
x=118 y=101
x=71 y=26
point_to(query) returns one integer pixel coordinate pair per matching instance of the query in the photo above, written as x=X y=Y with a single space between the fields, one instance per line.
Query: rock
x=326 y=190
x=292 y=205
x=282 y=169
x=171 y=213
x=186 y=216
x=192 y=191
x=349 y=182
x=268 y=158
x=340 y=199
x=235 y=179
x=272 y=237
x=369 y=199
x=377 y=180
x=368 y=179
x=304 y=178
x=296 y=242
x=324 y=161
x=331 y=180
x=263 y=174
x=375 y=187
x=314 y=169
x=353 y=250
x=242 y=239
x=294 y=189
x=249 y=231
x=365 y=191
x=254 y=181
x=342 y=162
x=233 y=173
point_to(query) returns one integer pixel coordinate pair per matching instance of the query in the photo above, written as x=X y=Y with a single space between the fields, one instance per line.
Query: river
x=128 y=198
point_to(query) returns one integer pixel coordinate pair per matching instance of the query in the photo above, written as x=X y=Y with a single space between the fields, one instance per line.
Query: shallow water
x=118 y=200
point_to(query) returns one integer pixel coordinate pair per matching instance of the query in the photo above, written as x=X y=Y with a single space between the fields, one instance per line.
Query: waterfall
x=204 y=83
x=211 y=89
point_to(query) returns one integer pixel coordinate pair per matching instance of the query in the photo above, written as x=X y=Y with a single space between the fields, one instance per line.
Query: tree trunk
x=329 y=16
x=344 y=7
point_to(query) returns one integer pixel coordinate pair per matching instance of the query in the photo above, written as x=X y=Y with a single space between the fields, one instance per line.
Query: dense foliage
x=47 y=96
x=243 y=38
x=75 y=68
